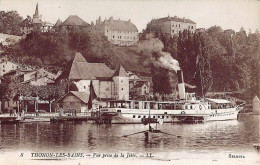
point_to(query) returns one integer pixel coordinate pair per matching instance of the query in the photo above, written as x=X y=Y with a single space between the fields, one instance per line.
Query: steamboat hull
x=131 y=116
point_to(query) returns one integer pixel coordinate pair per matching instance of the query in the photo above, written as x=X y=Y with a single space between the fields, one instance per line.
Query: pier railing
x=53 y=114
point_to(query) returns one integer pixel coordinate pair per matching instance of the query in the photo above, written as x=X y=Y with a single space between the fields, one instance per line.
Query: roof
x=176 y=19
x=219 y=101
x=58 y=23
x=189 y=86
x=82 y=70
x=120 y=71
x=120 y=25
x=140 y=84
x=256 y=98
x=83 y=96
x=79 y=58
x=75 y=21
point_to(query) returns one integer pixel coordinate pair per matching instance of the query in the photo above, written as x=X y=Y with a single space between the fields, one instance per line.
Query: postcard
x=129 y=82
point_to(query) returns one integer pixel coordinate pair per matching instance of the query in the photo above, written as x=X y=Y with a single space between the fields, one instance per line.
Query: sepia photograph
x=89 y=82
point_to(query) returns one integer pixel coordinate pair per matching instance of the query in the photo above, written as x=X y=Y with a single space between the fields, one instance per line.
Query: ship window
x=139 y=116
x=153 y=116
x=186 y=107
x=133 y=116
x=144 y=117
x=158 y=117
x=118 y=110
x=163 y=117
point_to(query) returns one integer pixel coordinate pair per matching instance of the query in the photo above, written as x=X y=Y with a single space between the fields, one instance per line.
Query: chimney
x=181 y=85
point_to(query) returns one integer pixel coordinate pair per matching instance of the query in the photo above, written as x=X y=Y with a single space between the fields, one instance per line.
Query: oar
x=134 y=133
x=167 y=133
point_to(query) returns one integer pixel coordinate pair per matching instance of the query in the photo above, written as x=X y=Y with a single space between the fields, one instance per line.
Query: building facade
x=107 y=83
x=118 y=32
x=171 y=25
x=7 y=66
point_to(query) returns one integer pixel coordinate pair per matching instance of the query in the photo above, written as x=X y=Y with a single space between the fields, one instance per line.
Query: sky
x=229 y=14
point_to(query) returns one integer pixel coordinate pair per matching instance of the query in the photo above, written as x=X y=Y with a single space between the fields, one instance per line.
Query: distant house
x=171 y=25
x=7 y=39
x=118 y=32
x=38 y=77
x=139 y=85
x=7 y=66
x=73 y=22
x=75 y=100
x=141 y=89
x=107 y=83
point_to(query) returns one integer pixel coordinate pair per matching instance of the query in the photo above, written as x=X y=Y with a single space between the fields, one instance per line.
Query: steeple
x=36 y=14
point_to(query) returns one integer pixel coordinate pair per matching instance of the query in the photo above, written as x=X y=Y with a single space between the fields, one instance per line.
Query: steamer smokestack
x=181 y=85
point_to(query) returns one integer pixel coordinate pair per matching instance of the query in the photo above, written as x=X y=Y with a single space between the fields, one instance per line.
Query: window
x=139 y=116
x=3 y=66
x=154 y=117
x=3 y=70
x=172 y=31
x=122 y=89
x=144 y=117
x=133 y=116
x=191 y=27
x=179 y=25
x=84 y=87
x=113 y=36
x=107 y=89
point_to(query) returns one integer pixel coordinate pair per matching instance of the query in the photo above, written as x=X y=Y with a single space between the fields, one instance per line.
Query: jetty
x=9 y=119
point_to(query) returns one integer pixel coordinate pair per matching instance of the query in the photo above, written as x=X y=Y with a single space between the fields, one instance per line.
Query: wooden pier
x=72 y=118
x=9 y=120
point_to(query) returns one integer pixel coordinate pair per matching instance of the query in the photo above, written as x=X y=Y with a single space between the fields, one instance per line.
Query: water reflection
x=208 y=137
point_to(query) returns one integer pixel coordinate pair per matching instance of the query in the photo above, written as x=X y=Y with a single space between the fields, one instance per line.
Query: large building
x=171 y=25
x=34 y=24
x=118 y=32
x=73 y=22
x=107 y=83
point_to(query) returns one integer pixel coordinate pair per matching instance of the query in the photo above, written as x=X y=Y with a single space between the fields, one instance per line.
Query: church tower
x=36 y=16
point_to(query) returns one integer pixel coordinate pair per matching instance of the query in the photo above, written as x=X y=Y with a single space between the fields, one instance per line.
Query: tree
x=9 y=22
x=203 y=76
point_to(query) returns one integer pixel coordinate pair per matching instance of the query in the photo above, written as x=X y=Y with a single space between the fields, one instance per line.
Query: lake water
x=212 y=139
